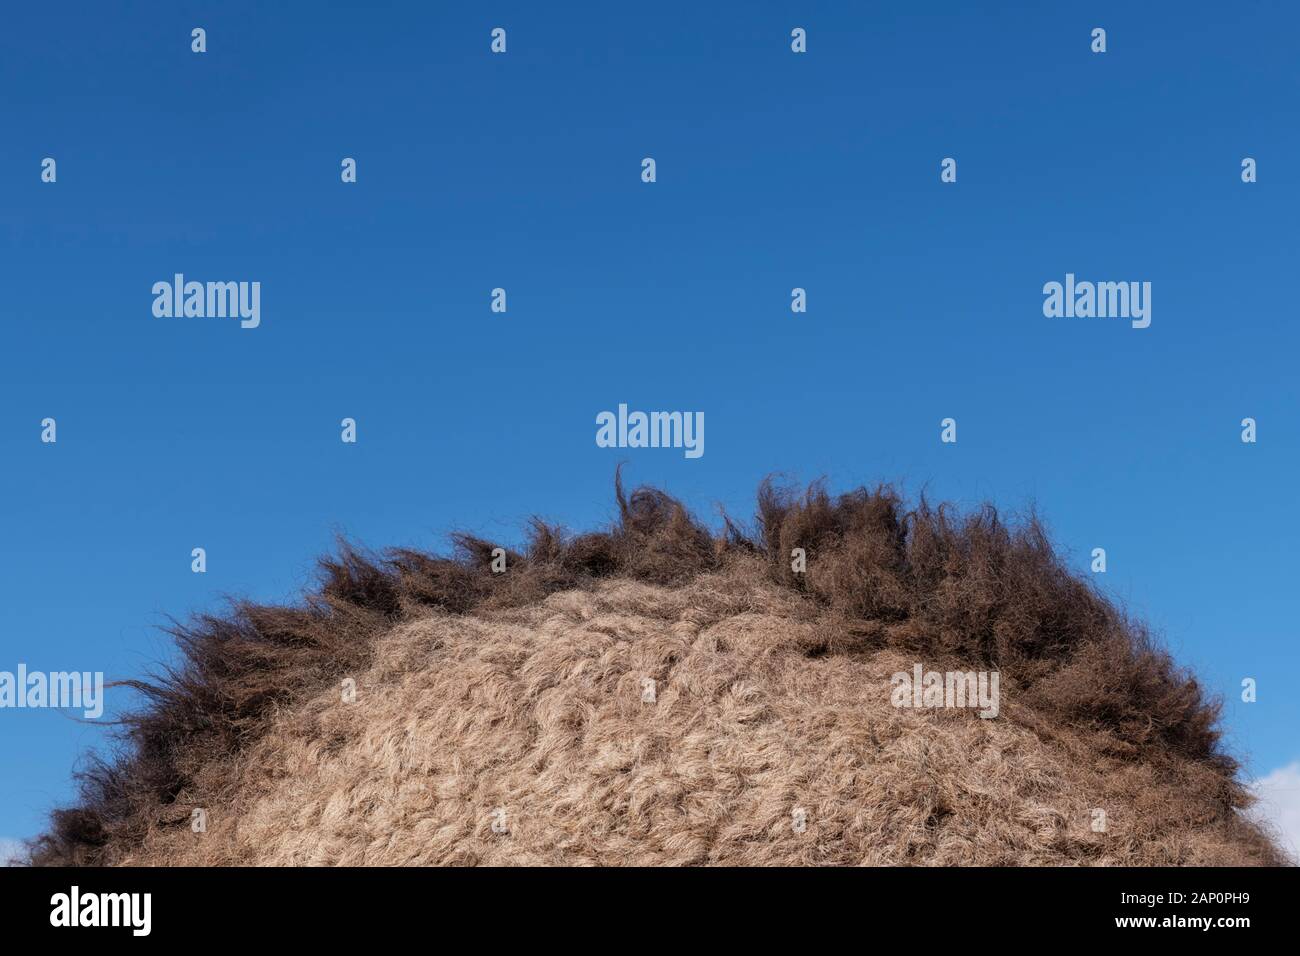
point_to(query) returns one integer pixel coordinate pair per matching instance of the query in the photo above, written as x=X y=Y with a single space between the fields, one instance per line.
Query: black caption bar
x=333 y=906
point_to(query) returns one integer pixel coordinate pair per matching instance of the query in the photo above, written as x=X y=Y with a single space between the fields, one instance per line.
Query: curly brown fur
x=493 y=691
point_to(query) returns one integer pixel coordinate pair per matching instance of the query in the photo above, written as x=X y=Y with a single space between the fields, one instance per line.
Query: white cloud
x=1279 y=805
x=11 y=850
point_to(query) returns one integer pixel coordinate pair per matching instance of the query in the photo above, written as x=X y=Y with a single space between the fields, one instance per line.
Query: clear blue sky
x=775 y=170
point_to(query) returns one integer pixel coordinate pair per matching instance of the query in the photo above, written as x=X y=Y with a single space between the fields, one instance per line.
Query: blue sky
x=522 y=171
